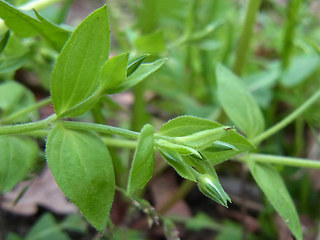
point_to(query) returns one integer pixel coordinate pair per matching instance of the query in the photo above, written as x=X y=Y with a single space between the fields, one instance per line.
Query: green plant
x=80 y=154
x=76 y=155
x=47 y=228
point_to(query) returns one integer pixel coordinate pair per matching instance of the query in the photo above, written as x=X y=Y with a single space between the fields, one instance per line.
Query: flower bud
x=203 y=139
x=181 y=149
x=210 y=186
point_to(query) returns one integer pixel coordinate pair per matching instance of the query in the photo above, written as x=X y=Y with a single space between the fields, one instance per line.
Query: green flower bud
x=210 y=186
x=181 y=149
x=203 y=139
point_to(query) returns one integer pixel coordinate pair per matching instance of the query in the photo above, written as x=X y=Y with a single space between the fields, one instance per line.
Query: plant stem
x=287 y=161
x=27 y=127
x=36 y=4
x=116 y=142
x=288 y=119
x=42 y=133
x=291 y=22
x=25 y=110
x=245 y=37
x=101 y=128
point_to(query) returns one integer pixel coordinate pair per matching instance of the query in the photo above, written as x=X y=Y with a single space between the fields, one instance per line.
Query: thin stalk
x=286 y=161
x=245 y=37
x=37 y=133
x=291 y=117
x=27 y=127
x=101 y=128
x=26 y=110
x=36 y=4
x=123 y=143
x=291 y=22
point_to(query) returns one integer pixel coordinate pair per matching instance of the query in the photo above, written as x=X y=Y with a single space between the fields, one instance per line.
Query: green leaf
x=15 y=97
x=25 y=25
x=271 y=183
x=26 y=100
x=218 y=152
x=201 y=165
x=135 y=63
x=232 y=230
x=76 y=73
x=17 y=157
x=4 y=41
x=143 y=162
x=82 y=167
x=261 y=84
x=10 y=64
x=143 y=71
x=175 y=160
x=186 y=125
x=13 y=236
x=10 y=93
x=201 y=221
x=152 y=43
x=238 y=103
x=46 y=228
x=74 y=223
x=300 y=69
x=113 y=73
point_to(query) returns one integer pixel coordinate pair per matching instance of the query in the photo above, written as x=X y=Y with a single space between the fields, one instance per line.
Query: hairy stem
x=245 y=37
x=276 y=128
x=101 y=128
x=27 y=127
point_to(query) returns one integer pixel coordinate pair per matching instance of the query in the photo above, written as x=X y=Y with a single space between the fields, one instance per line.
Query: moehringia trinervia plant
x=75 y=152
x=79 y=154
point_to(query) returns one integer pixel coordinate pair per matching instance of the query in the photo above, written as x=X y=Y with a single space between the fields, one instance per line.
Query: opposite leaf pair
x=83 y=72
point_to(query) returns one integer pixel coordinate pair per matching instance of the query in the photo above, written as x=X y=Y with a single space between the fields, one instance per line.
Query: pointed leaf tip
x=82 y=168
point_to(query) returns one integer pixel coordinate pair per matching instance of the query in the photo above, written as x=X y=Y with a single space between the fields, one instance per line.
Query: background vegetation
x=249 y=64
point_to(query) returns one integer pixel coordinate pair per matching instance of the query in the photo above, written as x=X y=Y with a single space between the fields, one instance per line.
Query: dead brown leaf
x=43 y=191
